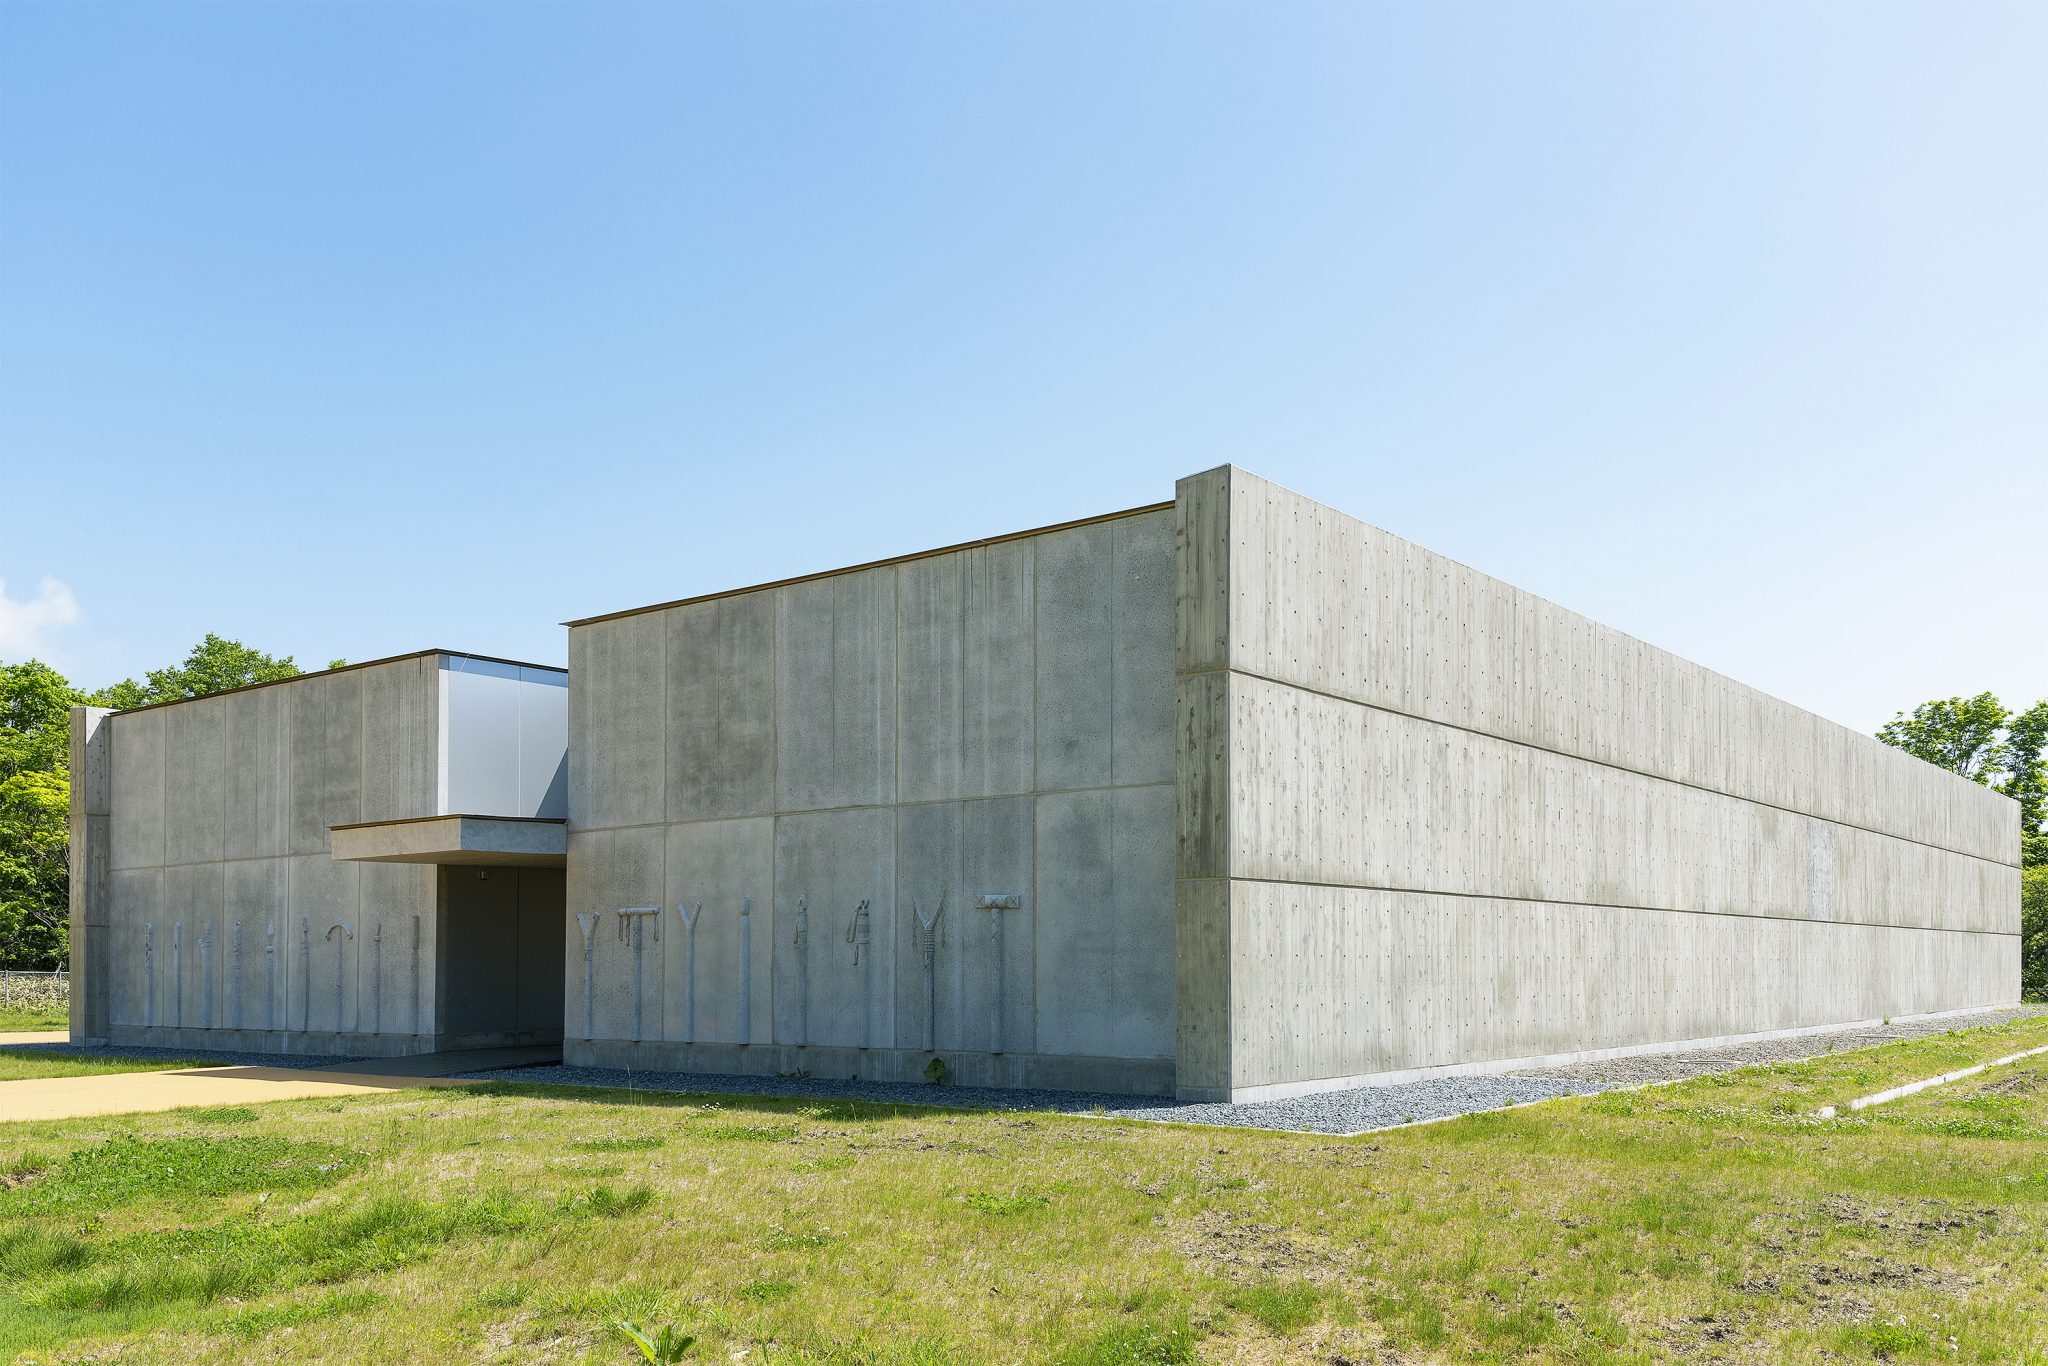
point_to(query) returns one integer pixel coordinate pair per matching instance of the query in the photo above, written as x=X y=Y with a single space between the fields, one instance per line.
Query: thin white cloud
x=25 y=626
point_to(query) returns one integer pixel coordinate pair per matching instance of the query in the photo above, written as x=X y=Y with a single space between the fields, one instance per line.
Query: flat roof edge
x=346 y=668
x=875 y=564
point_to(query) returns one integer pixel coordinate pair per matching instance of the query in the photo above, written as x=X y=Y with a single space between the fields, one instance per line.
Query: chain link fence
x=34 y=990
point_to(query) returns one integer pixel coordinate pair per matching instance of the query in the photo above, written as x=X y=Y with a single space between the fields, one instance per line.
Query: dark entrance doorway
x=498 y=975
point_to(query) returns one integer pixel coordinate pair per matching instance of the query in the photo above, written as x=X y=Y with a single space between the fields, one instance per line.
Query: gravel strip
x=216 y=1057
x=1351 y=1111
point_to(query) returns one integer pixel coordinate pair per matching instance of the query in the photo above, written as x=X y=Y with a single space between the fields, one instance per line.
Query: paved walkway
x=122 y=1093
x=35 y=1036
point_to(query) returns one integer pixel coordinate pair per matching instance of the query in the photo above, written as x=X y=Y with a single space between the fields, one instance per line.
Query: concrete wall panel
x=611 y=871
x=721 y=708
x=195 y=796
x=834 y=966
x=1106 y=922
x=400 y=760
x=978 y=995
x=964 y=634
x=256 y=777
x=617 y=682
x=325 y=732
x=193 y=901
x=1142 y=650
x=393 y=944
x=836 y=692
x=1077 y=657
x=136 y=919
x=136 y=828
x=721 y=866
x=256 y=898
x=321 y=946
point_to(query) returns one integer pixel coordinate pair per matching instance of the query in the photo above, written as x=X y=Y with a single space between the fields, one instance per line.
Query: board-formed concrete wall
x=1429 y=820
x=749 y=772
x=228 y=923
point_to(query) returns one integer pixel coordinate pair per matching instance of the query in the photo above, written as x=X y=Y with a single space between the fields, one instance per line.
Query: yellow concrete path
x=36 y=1036
x=121 y=1093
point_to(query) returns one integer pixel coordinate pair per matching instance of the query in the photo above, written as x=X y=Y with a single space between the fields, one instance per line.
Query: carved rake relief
x=149 y=972
x=270 y=974
x=638 y=918
x=416 y=974
x=241 y=983
x=305 y=974
x=178 y=974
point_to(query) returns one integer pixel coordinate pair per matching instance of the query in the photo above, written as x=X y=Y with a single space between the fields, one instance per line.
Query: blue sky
x=353 y=329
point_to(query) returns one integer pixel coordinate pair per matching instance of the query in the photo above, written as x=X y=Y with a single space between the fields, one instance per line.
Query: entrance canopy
x=497 y=841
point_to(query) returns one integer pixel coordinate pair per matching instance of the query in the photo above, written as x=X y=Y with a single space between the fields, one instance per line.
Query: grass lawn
x=19 y=1064
x=19 y=1018
x=1710 y=1220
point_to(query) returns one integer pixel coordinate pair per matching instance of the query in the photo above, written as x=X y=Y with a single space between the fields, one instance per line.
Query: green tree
x=35 y=719
x=214 y=665
x=1981 y=740
x=34 y=874
x=1959 y=734
x=2034 y=934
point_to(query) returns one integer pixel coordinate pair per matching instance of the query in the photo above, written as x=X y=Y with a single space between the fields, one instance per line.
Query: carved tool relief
x=633 y=922
x=927 y=940
x=689 y=919
x=206 y=975
x=586 y=921
x=149 y=972
x=270 y=974
x=858 y=934
x=348 y=932
x=416 y=975
x=178 y=973
x=377 y=976
x=241 y=982
x=803 y=970
x=305 y=974
x=746 y=969
x=995 y=903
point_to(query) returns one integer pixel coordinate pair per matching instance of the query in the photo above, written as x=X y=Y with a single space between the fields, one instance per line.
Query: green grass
x=1712 y=1220
x=20 y=1018
x=21 y=1064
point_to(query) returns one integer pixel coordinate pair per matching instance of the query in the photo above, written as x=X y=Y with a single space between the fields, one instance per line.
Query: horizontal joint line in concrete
x=576 y=829
x=1600 y=763
x=1597 y=905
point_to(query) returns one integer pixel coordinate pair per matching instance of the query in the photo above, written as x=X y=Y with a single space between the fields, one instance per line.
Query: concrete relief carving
x=149 y=972
x=927 y=940
x=746 y=969
x=377 y=976
x=995 y=903
x=348 y=932
x=858 y=934
x=633 y=926
x=689 y=919
x=206 y=975
x=586 y=921
x=241 y=984
x=803 y=970
x=270 y=974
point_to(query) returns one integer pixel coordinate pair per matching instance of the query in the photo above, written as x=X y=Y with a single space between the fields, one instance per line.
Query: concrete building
x=1231 y=796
